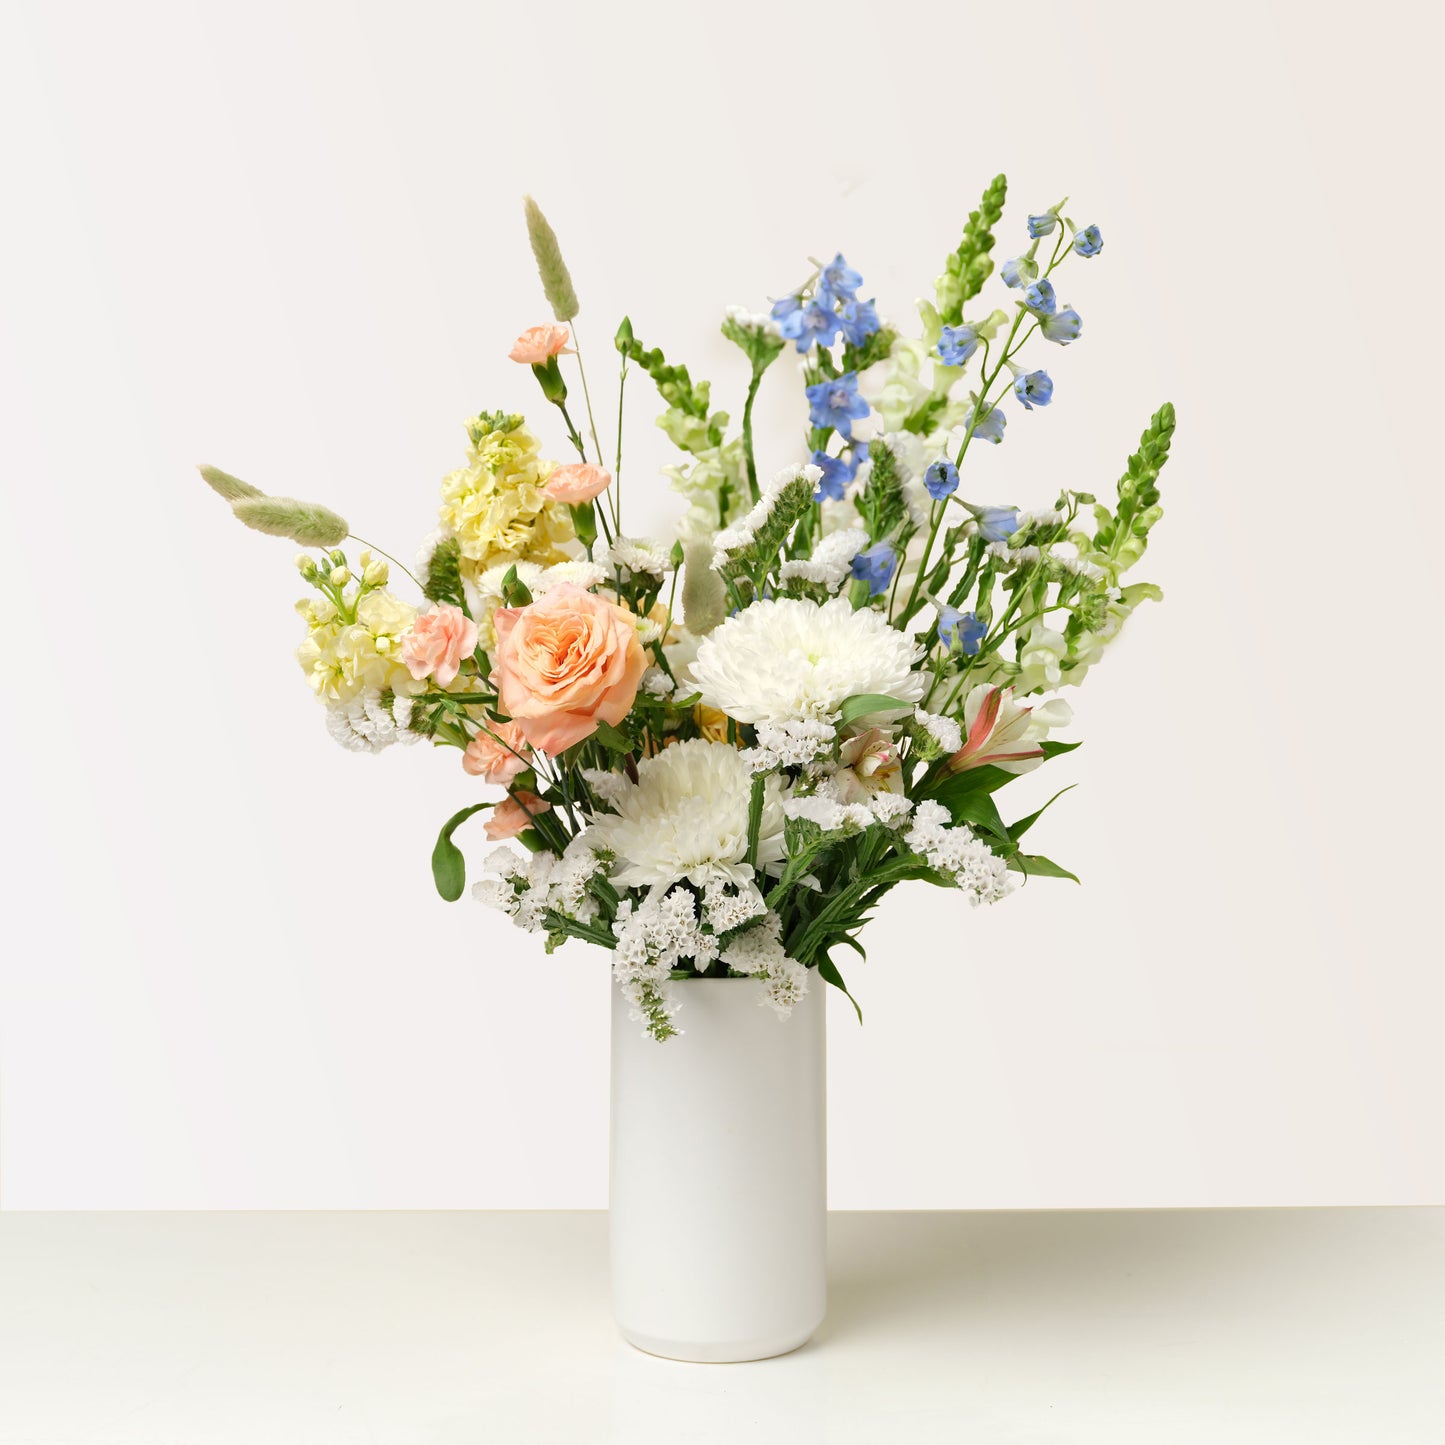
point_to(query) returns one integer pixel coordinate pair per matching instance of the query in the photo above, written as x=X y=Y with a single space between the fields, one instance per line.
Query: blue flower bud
x=990 y=428
x=806 y=324
x=1063 y=327
x=961 y=629
x=956 y=344
x=837 y=473
x=1042 y=225
x=835 y=405
x=1088 y=242
x=1019 y=271
x=1040 y=298
x=941 y=479
x=875 y=567
x=839 y=281
x=1034 y=388
x=859 y=320
x=995 y=524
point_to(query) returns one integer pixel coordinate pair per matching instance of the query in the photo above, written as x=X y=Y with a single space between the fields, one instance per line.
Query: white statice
x=793 y=744
x=787 y=658
x=606 y=785
x=758 y=321
x=759 y=951
x=656 y=683
x=828 y=813
x=944 y=731
x=727 y=906
x=367 y=723
x=527 y=888
x=832 y=561
x=958 y=853
x=635 y=555
x=687 y=817
x=890 y=809
x=741 y=533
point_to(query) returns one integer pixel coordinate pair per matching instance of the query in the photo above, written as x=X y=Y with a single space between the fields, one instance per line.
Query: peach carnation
x=565 y=661
x=537 y=345
x=514 y=815
x=576 y=482
x=497 y=755
x=437 y=643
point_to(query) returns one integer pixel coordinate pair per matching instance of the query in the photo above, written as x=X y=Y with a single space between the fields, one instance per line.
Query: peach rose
x=537 y=345
x=563 y=662
x=514 y=815
x=497 y=756
x=576 y=482
x=437 y=643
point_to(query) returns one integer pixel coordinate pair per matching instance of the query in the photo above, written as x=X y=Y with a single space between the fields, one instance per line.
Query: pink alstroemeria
x=1003 y=733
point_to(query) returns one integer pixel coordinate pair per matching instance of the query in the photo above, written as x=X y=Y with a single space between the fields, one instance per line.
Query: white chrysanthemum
x=687 y=817
x=785 y=659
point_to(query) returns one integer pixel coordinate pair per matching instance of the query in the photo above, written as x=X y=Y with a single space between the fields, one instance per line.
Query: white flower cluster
x=792 y=744
x=959 y=853
x=759 y=951
x=742 y=532
x=943 y=730
x=528 y=888
x=657 y=683
x=832 y=561
x=829 y=811
x=1012 y=557
x=540 y=580
x=365 y=724
x=673 y=929
x=752 y=320
x=634 y=555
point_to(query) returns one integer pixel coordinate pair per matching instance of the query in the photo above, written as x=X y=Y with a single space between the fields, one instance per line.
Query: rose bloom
x=514 y=815
x=565 y=661
x=537 y=345
x=576 y=482
x=498 y=755
x=437 y=643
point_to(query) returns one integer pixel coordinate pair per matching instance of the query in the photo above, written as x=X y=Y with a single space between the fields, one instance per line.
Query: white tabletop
x=1170 y=1327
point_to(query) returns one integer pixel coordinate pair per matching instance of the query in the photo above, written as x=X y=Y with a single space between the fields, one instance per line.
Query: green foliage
x=828 y=971
x=673 y=383
x=448 y=867
x=881 y=503
x=863 y=703
x=1121 y=536
x=1036 y=865
x=875 y=348
x=760 y=345
x=965 y=271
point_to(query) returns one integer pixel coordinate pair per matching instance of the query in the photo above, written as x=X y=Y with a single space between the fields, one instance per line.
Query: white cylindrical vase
x=719 y=1175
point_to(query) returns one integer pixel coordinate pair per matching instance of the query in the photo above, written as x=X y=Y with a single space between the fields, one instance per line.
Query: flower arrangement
x=712 y=757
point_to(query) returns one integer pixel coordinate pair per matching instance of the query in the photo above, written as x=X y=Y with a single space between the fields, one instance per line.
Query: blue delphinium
x=805 y=324
x=1019 y=271
x=834 y=403
x=1063 y=327
x=956 y=344
x=961 y=629
x=839 y=281
x=1040 y=298
x=837 y=473
x=1043 y=224
x=990 y=428
x=875 y=567
x=1088 y=242
x=941 y=479
x=1034 y=388
x=859 y=320
x=995 y=524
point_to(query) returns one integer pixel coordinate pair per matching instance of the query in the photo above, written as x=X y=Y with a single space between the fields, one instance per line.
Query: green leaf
x=828 y=970
x=1054 y=750
x=863 y=703
x=1030 y=864
x=448 y=867
x=612 y=738
x=1017 y=830
x=980 y=810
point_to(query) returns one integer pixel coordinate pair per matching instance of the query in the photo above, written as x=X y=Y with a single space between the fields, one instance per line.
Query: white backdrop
x=287 y=240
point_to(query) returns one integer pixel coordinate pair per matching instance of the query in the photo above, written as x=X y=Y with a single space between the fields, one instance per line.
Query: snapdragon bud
x=338 y=558
x=340 y=576
x=375 y=572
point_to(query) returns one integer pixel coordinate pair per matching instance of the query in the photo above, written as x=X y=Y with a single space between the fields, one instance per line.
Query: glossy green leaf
x=863 y=703
x=448 y=867
x=1030 y=864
